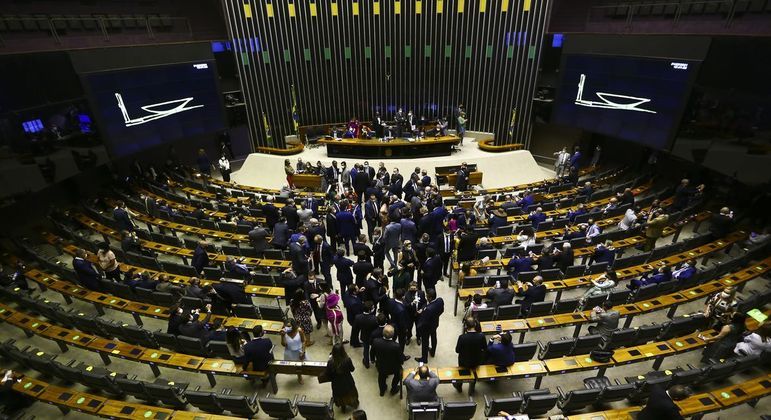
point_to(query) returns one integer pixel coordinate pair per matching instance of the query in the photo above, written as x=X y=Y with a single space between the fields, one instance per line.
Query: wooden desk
x=698 y=404
x=123 y=410
x=448 y=375
x=526 y=369
x=640 y=353
x=307 y=181
x=395 y=148
x=474 y=178
x=744 y=392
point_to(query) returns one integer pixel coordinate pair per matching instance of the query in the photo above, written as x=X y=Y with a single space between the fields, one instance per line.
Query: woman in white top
x=755 y=343
x=630 y=217
x=224 y=167
x=108 y=263
x=293 y=340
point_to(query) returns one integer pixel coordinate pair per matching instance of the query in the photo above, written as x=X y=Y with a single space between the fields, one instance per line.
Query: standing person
x=346 y=226
x=575 y=160
x=362 y=269
x=661 y=404
x=122 y=217
x=428 y=323
x=313 y=290
x=388 y=358
x=200 y=257
x=108 y=263
x=258 y=237
x=654 y=228
x=445 y=247
x=335 y=319
x=363 y=326
x=280 y=239
x=204 y=163
x=343 y=268
x=360 y=182
x=289 y=211
x=431 y=269
x=302 y=311
x=596 y=156
x=471 y=348
x=298 y=257
x=378 y=249
x=338 y=372
x=561 y=162
x=407 y=260
x=258 y=352
x=293 y=339
x=461 y=129
x=224 y=167
x=371 y=215
x=289 y=171
x=461 y=180
x=392 y=241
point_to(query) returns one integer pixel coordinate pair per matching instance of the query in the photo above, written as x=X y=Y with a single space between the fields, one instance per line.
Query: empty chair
x=164 y=299
x=540 y=309
x=424 y=410
x=68 y=373
x=218 y=349
x=246 y=311
x=551 y=274
x=494 y=406
x=484 y=314
x=101 y=381
x=314 y=410
x=526 y=276
x=536 y=404
x=487 y=253
x=617 y=392
x=619 y=297
x=190 y=303
x=262 y=279
x=272 y=313
x=644 y=389
x=719 y=371
x=144 y=295
x=646 y=333
x=134 y=388
x=190 y=345
x=240 y=405
x=509 y=311
x=166 y=393
x=575 y=271
x=686 y=377
x=556 y=348
x=681 y=326
x=646 y=292
x=621 y=338
x=458 y=410
x=203 y=400
x=563 y=306
x=586 y=343
x=524 y=351
x=577 y=399
x=139 y=336
x=596 y=300
x=281 y=408
x=274 y=254
x=597 y=268
x=167 y=341
x=473 y=281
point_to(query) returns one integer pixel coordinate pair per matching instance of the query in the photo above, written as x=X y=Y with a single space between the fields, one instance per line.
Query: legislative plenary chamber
x=385 y=209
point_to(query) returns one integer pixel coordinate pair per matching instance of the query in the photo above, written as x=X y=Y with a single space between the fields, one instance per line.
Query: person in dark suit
x=176 y=318
x=289 y=211
x=565 y=257
x=152 y=210
x=258 y=237
x=388 y=358
x=120 y=215
x=661 y=404
x=604 y=253
x=431 y=269
x=721 y=223
x=500 y=351
x=500 y=295
x=396 y=186
x=321 y=257
x=360 y=182
x=280 y=237
x=427 y=324
x=232 y=293
x=258 y=352
x=200 y=257
x=343 y=267
x=354 y=305
x=445 y=246
x=363 y=326
x=298 y=256
x=362 y=269
x=193 y=327
x=371 y=215
x=531 y=293
x=87 y=275
x=291 y=282
x=461 y=180
x=421 y=385
x=346 y=227
x=518 y=264
x=397 y=309
x=471 y=348
x=361 y=246
x=271 y=212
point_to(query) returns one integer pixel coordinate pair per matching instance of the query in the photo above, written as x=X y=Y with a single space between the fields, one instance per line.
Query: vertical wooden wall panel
x=350 y=72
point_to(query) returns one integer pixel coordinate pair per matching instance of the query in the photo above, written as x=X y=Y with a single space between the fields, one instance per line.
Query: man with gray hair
x=388 y=357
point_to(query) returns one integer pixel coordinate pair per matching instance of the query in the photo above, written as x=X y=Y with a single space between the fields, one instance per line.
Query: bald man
x=388 y=358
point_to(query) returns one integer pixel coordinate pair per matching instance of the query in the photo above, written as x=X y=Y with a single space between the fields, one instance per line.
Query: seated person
x=572 y=214
x=500 y=350
x=531 y=292
x=604 y=253
x=193 y=327
x=660 y=275
x=421 y=385
x=537 y=217
x=602 y=284
x=686 y=271
x=607 y=320
x=571 y=234
x=755 y=343
x=661 y=404
x=499 y=295
x=164 y=285
x=143 y=281
x=518 y=264
x=236 y=266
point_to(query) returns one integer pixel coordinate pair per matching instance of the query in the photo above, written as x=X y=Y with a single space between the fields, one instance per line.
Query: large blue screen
x=631 y=98
x=144 y=107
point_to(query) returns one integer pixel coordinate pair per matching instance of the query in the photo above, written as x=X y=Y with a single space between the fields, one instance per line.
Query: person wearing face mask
x=686 y=271
x=175 y=319
x=415 y=300
x=397 y=182
x=720 y=306
x=407 y=259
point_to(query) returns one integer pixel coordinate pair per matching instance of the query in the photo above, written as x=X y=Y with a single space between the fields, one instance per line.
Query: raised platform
x=500 y=169
x=390 y=149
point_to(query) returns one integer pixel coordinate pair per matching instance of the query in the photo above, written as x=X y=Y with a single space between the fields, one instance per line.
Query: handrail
x=295 y=149
x=488 y=146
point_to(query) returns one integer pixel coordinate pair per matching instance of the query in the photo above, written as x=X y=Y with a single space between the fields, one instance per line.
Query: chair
x=539 y=403
x=134 y=388
x=540 y=309
x=139 y=336
x=246 y=311
x=458 y=410
x=526 y=276
x=271 y=313
x=719 y=371
x=473 y=281
x=218 y=349
x=577 y=399
x=494 y=406
x=167 y=341
x=686 y=377
x=509 y=311
x=313 y=410
x=646 y=292
x=524 y=351
x=551 y=274
x=489 y=253
x=274 y=254
x=563 y=306
x=587 y=343
x=239 y=405
x=575 y=271
x=618 y=297
x=595 y=300
x=643 y=390
x=166 y=393
x=681 y=326
x=597 y=268
x=101 y=381
x=282 y=408
x=203 y=400
x=484 y=314
x=613 y=393
x=646 y=333
x=424 y=410
x=190 y=345
x=621 y=338
x=556 y=348
x=212 y=273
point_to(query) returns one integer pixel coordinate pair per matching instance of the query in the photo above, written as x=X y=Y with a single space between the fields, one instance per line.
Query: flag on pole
x=513 y=122
x=268 y=137
x=295 y=114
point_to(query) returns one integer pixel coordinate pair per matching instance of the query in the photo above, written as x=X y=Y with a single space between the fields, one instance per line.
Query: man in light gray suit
x=392 y=240
x=421 y=385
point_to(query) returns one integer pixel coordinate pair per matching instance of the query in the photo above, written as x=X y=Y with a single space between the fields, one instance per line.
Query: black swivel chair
x=280 y=408
x=424 y=410
x=538 y=402
x=494 y=406
x=577 y=399
x=458 y=410
x=314 y=410
x=240 y=405
x=203 y=400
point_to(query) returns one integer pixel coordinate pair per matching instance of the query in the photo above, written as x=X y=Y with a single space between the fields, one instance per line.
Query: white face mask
x=725 y=295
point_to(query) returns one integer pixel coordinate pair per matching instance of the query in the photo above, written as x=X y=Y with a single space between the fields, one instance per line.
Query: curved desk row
x=395 y=148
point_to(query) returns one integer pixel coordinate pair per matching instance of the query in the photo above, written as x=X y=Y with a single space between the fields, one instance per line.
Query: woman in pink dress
x=335 y=318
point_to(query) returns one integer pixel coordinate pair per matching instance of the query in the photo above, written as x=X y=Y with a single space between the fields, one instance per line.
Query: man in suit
x=575 y=160
x=298 y=256
x=535 y=292
x=537 y=217
x=565 y=257
x=258 y=237
x=461 y=180
x=258 y=352
x=661 y=404
x=421 y=385
x=607 y=320
x=425 y=180
x=371 y=214
x=321 y=257
x=193 y=326
x=397 y=181
x=200 y=257
x=289 y=211
x=388 y=358
x=471 y=348
x=271 y=212
x=280 y=238
x=361 y=246
x=721 y=223
x=431 y=270
x=360 y=182
x=370 y=171
x=122 y=218
x=363 y=326
x=428 y=323
x=151 y=209
x=400 y=317
x=518 y=264
x=232 y=293
x=604 y=253
x=392 y=241
x=87 y=275
x=346 y=227
x=686 y=271
x=362 y=269
x=445 y=247
x=500 y=295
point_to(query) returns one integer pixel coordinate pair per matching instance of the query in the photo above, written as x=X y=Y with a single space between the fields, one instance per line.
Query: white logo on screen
x=610 y=100
x=679 y=66
x=201 y=66
x=154 y=112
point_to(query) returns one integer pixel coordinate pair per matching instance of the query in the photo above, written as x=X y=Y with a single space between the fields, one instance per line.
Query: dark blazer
x=271 y=214
x=400 y=317
x=360 y=182
x=195 y=329
x=258 y=237
x=87 y=274
x=532 y=295
x=603 y=254
x=298 y=257
x=428 y=320
x=344 y=274
x=363 y=326
x=258 y=353
x=290 y=213
x=461 y=180
x=200 y=259
x=720 y=225
x=362 y=270
x=232 y=293
x=432 y=271
x=409 y=230
x=358 y=246
x=472 y=349
x=387 y=355
x=122 y=220
x=660 y=406
x=280 y=235
x=346 y=225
